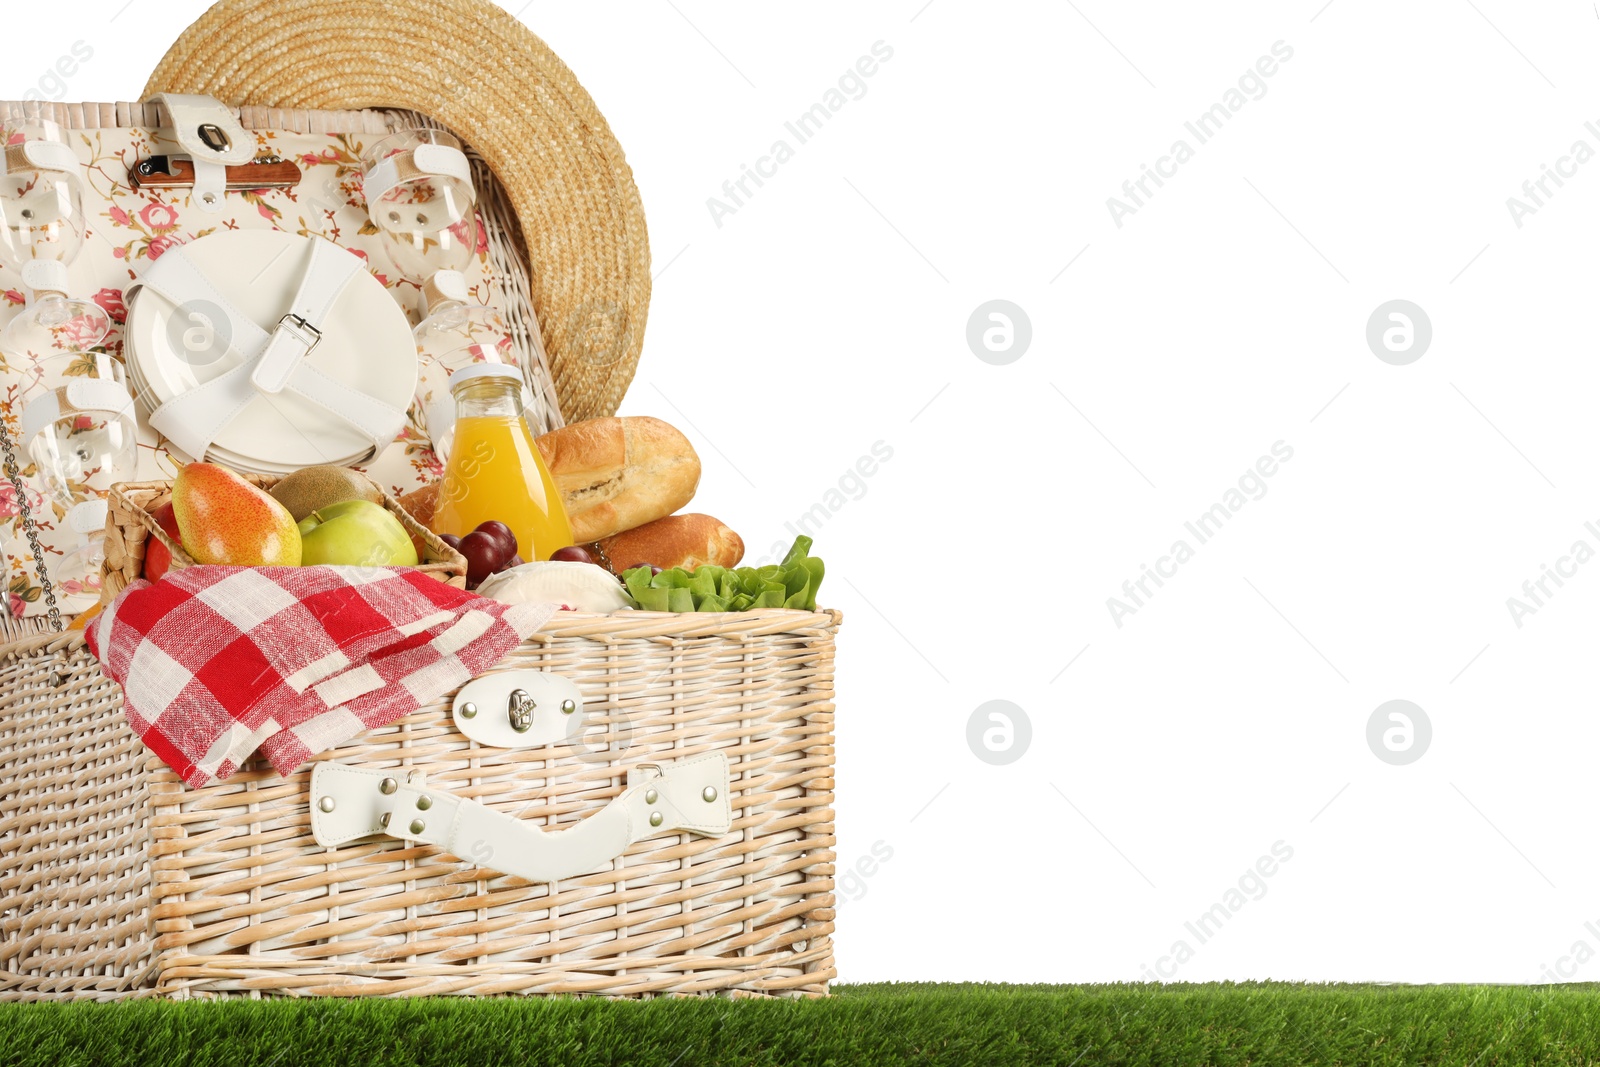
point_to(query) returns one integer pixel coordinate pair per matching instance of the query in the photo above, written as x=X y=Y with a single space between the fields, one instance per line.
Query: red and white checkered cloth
x=215 y=662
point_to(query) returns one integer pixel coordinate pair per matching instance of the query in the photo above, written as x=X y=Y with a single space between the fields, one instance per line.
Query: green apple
x=355 y=533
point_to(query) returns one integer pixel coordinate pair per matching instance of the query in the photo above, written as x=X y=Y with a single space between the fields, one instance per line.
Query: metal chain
x=605 y=561
x=14 y=472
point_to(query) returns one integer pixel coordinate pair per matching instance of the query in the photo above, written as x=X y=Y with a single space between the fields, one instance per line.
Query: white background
x=829 y=312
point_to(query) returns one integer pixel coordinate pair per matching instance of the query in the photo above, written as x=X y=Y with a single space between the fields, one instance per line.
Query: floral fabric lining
x=130 y=228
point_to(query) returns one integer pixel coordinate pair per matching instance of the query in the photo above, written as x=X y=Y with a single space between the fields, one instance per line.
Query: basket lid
x=473 y=67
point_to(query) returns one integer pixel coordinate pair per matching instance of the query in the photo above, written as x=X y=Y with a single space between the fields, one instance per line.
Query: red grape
x=451 y=539
x=572 y=554
x=483 y=557
x=514 y=561
x=654 y=570
x=501 y=534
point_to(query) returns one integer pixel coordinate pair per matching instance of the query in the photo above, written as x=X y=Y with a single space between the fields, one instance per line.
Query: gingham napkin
x=216 y=662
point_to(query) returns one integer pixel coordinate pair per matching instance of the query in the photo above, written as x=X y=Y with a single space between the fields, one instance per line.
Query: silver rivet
x=424 y=803
x=656 y=819
x=383 y=821
x=468 y=710
x=417 y=826
x=651 y=796
x=326 y=803
x=709 y=793
x=568 y=707
x=387 y=786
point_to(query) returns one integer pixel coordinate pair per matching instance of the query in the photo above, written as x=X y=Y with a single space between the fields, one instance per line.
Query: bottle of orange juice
x=495 y=470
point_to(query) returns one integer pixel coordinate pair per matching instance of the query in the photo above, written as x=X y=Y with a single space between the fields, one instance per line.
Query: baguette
x=686 y=541
x=614 y=474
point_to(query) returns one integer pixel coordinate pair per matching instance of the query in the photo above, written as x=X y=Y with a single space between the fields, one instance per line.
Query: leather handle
x=690 y=795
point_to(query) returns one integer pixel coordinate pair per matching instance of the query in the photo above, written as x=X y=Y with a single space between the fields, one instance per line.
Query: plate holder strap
x=268 y=363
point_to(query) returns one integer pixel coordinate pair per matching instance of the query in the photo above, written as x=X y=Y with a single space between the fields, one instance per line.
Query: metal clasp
x=213 y=137
x=302 y=331
x=520 y=707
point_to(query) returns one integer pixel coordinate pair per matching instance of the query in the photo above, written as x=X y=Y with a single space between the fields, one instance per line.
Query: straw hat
x=476 y=69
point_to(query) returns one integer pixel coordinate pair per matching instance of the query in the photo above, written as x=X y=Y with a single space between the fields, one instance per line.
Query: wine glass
x=79 y=430
x=421 y=198
x=456 y=334
x=42 y=230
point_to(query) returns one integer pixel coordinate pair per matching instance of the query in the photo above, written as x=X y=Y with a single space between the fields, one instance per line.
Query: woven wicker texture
x=483 y=75
x=130 y=526
x=116 y=881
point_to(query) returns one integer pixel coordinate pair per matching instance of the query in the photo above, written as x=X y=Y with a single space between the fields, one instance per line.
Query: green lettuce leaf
x=791 y=584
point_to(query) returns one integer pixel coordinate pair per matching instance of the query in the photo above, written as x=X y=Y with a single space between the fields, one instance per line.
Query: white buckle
x=302 y=331
x=279 y=361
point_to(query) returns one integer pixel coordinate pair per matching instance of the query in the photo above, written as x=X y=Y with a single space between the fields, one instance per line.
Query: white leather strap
x=199 y=121
x=45 y=276
x=445 y=289
x=328 y=270
x=270 y=362
x=176 y=277
x=48 y=155
x=88 y=516
x=437 y=159
x=99 y=395
x=353 y=802
x=210 y=185
x=519 y=709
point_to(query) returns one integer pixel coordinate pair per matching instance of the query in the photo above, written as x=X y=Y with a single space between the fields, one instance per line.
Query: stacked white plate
x=366 y=344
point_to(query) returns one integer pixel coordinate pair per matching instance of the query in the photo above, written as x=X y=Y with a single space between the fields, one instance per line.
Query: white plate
x=225 y=456
x=366 y=344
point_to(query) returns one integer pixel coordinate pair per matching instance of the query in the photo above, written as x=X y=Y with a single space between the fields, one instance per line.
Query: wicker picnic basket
x=118 y=881
x=130 y=528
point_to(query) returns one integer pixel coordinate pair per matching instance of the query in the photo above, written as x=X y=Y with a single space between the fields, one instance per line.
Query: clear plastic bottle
x=495 y=470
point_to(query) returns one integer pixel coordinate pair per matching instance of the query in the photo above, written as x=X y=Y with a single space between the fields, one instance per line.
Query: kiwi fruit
x=311 y=488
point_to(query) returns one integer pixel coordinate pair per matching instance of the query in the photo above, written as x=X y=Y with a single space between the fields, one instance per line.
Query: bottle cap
x=484 y=370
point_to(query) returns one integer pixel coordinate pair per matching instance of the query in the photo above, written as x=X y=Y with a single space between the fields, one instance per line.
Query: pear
x=224 y=519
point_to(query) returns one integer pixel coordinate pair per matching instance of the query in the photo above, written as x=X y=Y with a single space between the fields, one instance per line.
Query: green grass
x=1267 y=1023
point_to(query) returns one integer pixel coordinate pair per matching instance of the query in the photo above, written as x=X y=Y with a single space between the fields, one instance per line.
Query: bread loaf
x=421 y=503
x=616 y=474
x=686 y=541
